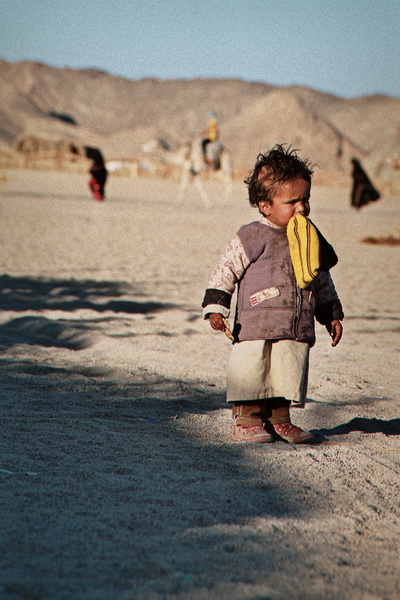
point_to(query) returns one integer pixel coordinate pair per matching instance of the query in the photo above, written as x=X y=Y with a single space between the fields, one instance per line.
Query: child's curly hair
x=274 y=168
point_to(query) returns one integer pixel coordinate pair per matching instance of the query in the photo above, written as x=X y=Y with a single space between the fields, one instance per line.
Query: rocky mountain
x=120 y=115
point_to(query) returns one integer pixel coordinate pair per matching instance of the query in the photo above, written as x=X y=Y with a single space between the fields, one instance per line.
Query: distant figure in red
x=363 y=191
x=97 y=171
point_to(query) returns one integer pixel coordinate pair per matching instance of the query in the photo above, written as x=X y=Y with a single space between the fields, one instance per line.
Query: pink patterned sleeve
x=230 y=267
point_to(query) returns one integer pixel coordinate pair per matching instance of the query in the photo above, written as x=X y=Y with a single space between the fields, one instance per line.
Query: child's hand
x=217 y=322
x=335 y=330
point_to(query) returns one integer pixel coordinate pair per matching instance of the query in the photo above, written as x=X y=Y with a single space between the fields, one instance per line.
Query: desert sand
x=119 y=481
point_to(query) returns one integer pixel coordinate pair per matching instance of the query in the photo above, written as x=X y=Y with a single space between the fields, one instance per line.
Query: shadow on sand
x=363 y=425
x=128 y=487
x=21 y=294
x=27 y=293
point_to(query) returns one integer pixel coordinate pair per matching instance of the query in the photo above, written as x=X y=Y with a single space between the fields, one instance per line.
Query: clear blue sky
x=346 y=47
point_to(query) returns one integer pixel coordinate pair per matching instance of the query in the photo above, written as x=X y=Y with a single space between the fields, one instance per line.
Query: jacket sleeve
x=327 y=304
x=227 y=272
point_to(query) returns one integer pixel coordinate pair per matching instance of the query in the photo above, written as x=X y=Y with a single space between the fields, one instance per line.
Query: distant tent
x=363 y=191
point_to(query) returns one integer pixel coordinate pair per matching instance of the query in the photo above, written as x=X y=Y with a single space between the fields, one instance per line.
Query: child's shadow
x=364 y=425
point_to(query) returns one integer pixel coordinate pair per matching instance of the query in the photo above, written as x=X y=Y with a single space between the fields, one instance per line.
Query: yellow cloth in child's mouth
x=304 y=246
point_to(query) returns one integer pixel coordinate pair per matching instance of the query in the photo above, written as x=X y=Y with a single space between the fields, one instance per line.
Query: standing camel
x=218 y=166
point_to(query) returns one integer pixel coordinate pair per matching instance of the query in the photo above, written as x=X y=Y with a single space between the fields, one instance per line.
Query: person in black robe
x=363 y=192
x=97 y=170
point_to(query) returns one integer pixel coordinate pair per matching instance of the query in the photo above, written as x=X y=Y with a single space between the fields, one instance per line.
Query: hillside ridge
x=119 y=115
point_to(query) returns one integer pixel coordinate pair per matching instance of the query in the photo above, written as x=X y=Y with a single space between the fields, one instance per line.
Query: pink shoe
x=291 y=433
x=251 y=434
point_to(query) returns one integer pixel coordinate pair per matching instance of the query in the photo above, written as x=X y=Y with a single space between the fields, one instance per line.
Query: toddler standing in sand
x=280 y=265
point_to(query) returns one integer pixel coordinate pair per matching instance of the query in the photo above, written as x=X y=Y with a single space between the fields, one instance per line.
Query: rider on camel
x=211 y=136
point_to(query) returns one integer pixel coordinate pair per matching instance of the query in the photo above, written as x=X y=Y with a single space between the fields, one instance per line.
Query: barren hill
x=120 y=115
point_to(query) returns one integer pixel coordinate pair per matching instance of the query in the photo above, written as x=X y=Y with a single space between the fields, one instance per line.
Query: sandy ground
x=118 y=480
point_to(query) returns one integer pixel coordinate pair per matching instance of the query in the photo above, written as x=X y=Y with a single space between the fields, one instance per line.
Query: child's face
x=291 y=198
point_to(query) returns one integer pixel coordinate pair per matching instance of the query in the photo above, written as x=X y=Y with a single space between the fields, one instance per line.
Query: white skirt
x=262 y=369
